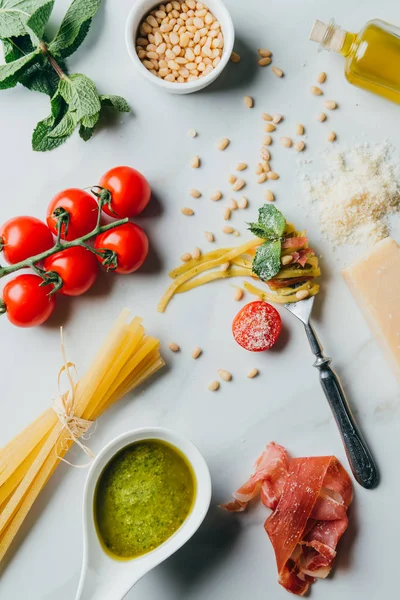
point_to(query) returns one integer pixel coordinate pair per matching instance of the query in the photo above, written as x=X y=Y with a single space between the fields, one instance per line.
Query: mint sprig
x=39 y=64
x=270 y=227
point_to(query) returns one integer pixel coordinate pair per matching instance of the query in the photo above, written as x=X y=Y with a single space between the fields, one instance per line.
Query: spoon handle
x=359 y=456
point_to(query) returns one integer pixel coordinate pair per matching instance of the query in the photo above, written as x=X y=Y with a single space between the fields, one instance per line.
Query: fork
x=358 y=454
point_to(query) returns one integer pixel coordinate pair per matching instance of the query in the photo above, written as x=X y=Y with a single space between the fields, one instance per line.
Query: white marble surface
x=229 y=558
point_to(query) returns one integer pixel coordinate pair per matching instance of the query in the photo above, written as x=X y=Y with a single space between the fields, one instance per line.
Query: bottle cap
x=329 y=35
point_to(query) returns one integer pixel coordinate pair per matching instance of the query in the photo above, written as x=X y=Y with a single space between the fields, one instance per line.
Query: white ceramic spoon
x=104 y=578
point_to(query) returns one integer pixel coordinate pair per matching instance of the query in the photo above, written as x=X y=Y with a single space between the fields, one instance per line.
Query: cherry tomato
x=77 y=268
x=257 y=326
x=23 y=237
x=81 y=208
x=130 y=244
x=27 y=304
x=129 y=189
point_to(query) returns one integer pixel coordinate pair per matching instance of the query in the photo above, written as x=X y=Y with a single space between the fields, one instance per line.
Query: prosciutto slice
x=309 y=498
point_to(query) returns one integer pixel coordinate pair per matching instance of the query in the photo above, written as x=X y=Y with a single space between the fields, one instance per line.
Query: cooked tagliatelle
x=294 y=281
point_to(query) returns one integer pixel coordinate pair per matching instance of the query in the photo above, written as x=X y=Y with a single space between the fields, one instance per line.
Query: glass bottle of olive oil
x=372 y=55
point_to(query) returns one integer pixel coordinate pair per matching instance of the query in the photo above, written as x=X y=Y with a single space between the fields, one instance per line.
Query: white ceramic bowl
x=141 y=8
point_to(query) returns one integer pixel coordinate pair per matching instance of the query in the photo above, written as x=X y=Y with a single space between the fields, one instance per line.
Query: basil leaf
x=116 y=102
x=80 y=93
x=267 y=261
x=12 y=71
x=74 y=27
x=272 y=220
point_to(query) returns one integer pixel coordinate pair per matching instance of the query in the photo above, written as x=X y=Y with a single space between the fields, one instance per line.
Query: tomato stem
x=3 y=307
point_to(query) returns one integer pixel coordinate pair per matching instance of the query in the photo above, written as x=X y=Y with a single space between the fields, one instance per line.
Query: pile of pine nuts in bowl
x=181 y=46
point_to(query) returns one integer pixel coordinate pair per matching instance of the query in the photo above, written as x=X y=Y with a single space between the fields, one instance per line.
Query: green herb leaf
x=267 y=261
x=116 y=102
x=15 y=15
x=272 y=220
x=259 y=230
x=80 y=93
x=12 y=71
x=37 y=22
x=65 y=127
x=42 y=139
x=74 y=27
x=88 y=125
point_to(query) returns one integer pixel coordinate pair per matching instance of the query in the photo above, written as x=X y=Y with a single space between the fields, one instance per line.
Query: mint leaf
x=65 y=127
x=74 y=27
x=116 y=102
x=15 y=14
x=80 y=93
x=37 y=22
x=259 y=230
x=11 y=72
x=86 y=132
x=41 y=139
x=267 y=261
x=272 y=220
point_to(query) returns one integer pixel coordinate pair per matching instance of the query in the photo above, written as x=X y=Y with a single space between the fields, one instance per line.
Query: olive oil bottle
x=372 y=55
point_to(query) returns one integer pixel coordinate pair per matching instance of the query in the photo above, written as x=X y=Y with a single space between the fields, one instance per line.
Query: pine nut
x=231 y=179
x=316 y=90
x=222 y=144
x=302 y=294
x=238 y=295
x=330 y=104
x=299 y=129
x=262 y=178
x=226 y=213
x=264 y=52
x=227 y=229
x=248 y=101
x=186 y=257
x=272 y=175
x=321 y=78
x=209 y=236
x=267 y=141
x=174 y=347
x=236 y=233
x=216 y=196
x=238 y=185
x=196 y=352
x=286 y=142
x=235 y=57
x=277 y=119
x=243 y=202
x=269 y=127
x=192 y=133
x=277 y=72
x=265 y=154
x=194 y=193
x=225 y=375
x=332 y=136
x=241 y=166
x=252 y=373
x=213 y=386
x=266 y=166
x=225 y=266
x=196 y=253
x=195 y=163
x=264 y=62
x=321 y=117
x=233 y=205
x=259 y=169
x=299 y=147
x=266 y=117
x=269 y=196
x=286 y=260
x=188 y=212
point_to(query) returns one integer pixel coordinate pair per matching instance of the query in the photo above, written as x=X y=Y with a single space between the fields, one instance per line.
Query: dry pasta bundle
x=127 y=358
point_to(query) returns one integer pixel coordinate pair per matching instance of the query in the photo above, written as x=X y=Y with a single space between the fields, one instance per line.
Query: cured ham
x=309 y=498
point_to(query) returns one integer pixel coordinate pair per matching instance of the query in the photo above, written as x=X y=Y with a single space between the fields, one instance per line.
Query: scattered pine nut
x=266 y=117
x=302 y=294
x=226 y=213
x=321 y=117
x=332 y=136
x=216 y=196
x=243 y=202
x=330 y=104
x=264 y=62
x=236 y=233
x=252 y=373
x=241 y=166
x=213 y=386
x=238 y=185
x=286 y=142
x=186 y=257
x=188 y=212
x=195 y=162
x=269 y=195
x=225 y=375
x=248 y=101
x=265 y=154
x=192 y=133
x=277 y=119
x=299 y=147
x=316 y=90
x=262 y=178
x=267 y=141
x=264 y=52
x=232 y=179
x=209 y=236
x=235 y=57
x=321 y=78
x=174 y=347
x=299 y=129
x=222 y=144
x=277 y=72
x=227 y=229
x=196 y=253
x=269 y=127
x=259 y=169
x=238 y=295
x=196 y=352
x=225 y=266
x=272 y=175
x=286 y=260
x=194 y=193
x=233 y=205
x=266 y=166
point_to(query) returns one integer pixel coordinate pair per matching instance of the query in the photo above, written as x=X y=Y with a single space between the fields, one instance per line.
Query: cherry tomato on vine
x=78 y=208
x=23 y=237
x=26 y=303
x=128 y=192
x=257 y=326
x=127 y=243
x=77 y=268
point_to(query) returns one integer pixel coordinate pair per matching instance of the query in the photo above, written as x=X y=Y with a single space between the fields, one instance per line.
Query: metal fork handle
x=359 y=456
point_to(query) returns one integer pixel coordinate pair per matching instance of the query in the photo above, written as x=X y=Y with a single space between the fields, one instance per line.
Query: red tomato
x=130 y=192
x=27 y=304
x=77 y=268
x=81 y=208
x=257 y=326
x=23 y=237
x=130 y=244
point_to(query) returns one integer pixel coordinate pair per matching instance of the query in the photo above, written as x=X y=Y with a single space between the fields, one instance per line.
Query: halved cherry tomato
x=77 y=268
x=80 y=210
x=27 y=303
x=127 y=243
x=257 y=326
x=129 y=192
x=23 y=237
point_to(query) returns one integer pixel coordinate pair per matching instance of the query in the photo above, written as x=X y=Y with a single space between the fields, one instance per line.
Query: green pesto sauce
x=143 y=496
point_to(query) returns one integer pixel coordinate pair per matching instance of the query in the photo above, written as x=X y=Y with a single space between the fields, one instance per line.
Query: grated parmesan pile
x=357 y=193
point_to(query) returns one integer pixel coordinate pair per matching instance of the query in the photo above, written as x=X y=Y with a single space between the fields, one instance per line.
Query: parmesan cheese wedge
x=374 y=281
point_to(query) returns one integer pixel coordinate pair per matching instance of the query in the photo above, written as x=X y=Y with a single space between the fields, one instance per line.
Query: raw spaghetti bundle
x=127 y=358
